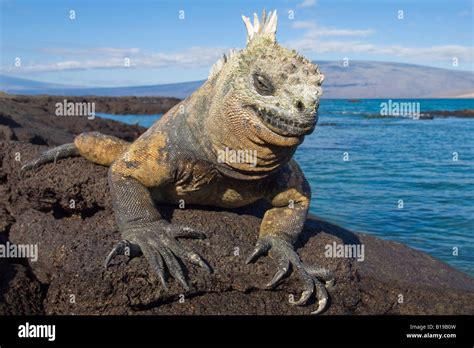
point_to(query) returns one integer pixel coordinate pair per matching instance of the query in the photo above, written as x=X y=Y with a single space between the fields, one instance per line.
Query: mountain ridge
x=361 y=79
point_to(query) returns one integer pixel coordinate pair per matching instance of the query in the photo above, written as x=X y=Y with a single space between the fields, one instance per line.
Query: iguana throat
x=263 y=98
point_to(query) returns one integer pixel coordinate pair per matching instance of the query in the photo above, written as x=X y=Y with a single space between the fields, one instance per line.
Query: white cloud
x=313 y=30
x=438 y=53
x=342 y=32
x=93 y=51
x=307 y=3
x=313 y=41
x=109 y=57
x=304 y=25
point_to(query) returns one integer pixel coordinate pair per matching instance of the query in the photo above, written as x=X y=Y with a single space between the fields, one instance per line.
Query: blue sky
x=90 y=50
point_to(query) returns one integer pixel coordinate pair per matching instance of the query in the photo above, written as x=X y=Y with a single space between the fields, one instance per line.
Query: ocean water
x=395 y=178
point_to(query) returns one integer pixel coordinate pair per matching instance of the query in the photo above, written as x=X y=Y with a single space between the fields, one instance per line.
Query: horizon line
x=205 y=79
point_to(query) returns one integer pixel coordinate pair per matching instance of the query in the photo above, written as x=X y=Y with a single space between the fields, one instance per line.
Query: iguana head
x=276 y=89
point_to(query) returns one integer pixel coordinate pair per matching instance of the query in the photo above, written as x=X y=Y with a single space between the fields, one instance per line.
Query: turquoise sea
x=395 y=178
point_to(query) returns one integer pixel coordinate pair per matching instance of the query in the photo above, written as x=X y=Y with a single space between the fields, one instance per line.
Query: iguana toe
x=51 y=155
x=123 y=247
x=321 y=295
x=176 y=231
x=186 y=232
x=285 y=255
x=321 y=273
x=283 y=270
x=174 y=267
x=158 y=243
x=27 y=167
x=260 y=249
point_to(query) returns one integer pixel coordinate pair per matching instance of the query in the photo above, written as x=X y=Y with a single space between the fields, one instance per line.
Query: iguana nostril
x=299 y=105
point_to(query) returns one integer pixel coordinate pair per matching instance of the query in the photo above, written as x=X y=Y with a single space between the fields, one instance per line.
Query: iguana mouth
x=283 y=126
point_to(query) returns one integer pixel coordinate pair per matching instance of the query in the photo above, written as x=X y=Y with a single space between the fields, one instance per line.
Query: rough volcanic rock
x=466 y=113
x=20 y=292
x=110 y=105
x=74 y=237
x=33 y=120
x=66 y=210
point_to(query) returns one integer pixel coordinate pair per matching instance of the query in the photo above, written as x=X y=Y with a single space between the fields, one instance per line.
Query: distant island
x=361 y=79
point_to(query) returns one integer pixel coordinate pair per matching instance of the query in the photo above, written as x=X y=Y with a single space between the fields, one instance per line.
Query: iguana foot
x=285 y=255
x=51 y=155
x=157 y=241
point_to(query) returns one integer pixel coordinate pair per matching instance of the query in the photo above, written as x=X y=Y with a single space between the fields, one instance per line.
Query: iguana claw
x=124 y=247
x=161 y=249
x=285 y=255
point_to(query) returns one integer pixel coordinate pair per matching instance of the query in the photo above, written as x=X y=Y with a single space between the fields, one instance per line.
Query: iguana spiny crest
x=278 y=87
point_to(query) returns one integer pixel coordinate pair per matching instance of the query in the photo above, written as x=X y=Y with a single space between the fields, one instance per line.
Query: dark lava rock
x=32 y=119
x=66 y=210
x=20 y=292
x=466 y=113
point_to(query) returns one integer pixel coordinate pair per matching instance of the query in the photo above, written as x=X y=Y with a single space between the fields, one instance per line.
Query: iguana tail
x=94 y=146
x=99 y=148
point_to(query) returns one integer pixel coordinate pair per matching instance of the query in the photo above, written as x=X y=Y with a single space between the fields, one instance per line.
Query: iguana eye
x=263 y=84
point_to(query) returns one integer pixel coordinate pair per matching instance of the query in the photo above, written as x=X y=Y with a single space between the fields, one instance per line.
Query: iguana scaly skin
x=263 y=98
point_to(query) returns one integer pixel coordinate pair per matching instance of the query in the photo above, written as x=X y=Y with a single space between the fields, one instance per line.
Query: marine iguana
x=263 y=98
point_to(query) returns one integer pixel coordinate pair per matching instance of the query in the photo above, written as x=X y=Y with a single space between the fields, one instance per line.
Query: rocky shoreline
x=466 y=113
x=65 y=210
x=432 y=114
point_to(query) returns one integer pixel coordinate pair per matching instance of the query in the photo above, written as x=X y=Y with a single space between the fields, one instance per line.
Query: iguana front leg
x=280 y=229
x=141 y=225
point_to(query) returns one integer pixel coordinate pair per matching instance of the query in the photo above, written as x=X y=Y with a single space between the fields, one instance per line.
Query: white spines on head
x=266 y=27
x=220 y=63
x=256 y=23
x=271 y=25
